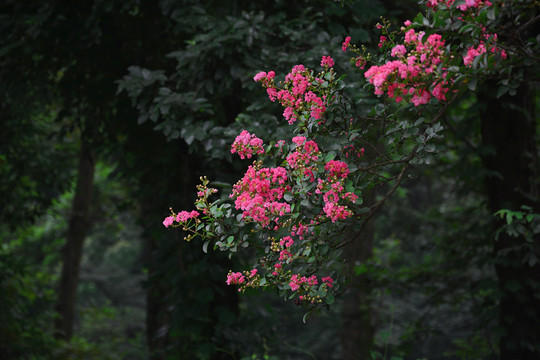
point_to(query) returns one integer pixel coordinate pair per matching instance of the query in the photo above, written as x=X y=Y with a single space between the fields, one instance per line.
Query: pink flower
x=253 y=272
x=294 y=286
x=472 y=53
x=272 y=93
x=260 y=76
x=287 y=242
x=289 y=114
x=398 y=51
x=299 y=140
x=421 y=97
x=168 y=221
x=235 y=278
x=407 y=23
x=246 y=144
x=328 y=281
x=346 y=43
x=327 y=61
x=382 y=40
x=184 y=216
x=410 y=36
x=337 y=169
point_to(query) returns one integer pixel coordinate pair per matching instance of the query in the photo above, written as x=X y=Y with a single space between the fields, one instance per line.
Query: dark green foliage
x=24 y=295
x=188 y=67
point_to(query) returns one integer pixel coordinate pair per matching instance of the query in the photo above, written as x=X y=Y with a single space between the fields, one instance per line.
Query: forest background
x=112 y=110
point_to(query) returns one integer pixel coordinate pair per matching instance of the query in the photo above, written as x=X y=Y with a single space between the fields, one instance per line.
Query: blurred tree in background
x=111 y=110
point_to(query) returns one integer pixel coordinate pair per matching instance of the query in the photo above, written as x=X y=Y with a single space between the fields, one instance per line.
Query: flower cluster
x=350 y=150
x=181 y=217
x=474 y=52
x=413 y=75
x=346 y=43
x=259 y=194
x=303 y=161
x=301 y=91
x=333 y=191
x=327 y=62
x=468 y=4
x=243 y=280
x=246 y=144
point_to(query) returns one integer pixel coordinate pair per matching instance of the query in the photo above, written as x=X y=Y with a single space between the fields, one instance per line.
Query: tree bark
x=509 y=129
x=79 y=224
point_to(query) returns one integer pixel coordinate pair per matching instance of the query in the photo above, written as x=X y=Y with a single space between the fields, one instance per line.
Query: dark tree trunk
x=79 y=224
x=357 y=330
x=509 y=129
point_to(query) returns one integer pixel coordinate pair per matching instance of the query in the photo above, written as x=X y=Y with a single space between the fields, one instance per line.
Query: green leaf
x=472 y=84
x=330 y=299
x=502 y=90
x=491 y=14
x=330 y=156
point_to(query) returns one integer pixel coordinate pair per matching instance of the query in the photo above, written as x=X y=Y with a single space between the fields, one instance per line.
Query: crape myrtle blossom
x=346 y=43
x=246 y=144
x=418 y=71
x=259 y=194
x=413 y=75
x=235 y=278
x=472 y=53
x=181 y=217
x=327 y=61
x=468 y=4
x=300 y=92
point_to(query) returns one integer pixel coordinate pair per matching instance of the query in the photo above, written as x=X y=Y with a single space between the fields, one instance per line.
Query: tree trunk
x=79 y=224
x=357 y=330
x=509 y=129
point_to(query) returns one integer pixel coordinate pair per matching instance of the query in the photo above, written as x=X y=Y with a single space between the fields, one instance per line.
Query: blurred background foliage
x=158 y=90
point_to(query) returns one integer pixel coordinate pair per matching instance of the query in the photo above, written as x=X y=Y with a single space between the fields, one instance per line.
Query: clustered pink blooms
x=243 y=279
x=235 y=278
x=413 y=74
x=264 y=77
x=303 y=161
x=468 y=4
x=328 y=281
x=350 y=150
x=259 y=192
x=472 y=53
x=181 y=217
x=327 y=61
x=333 y=191
x=346 y=43
x=471 y=4
x=168 y=221
x=382 y=40
x=300 y=92
x=246 y=144
x=297 y=281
